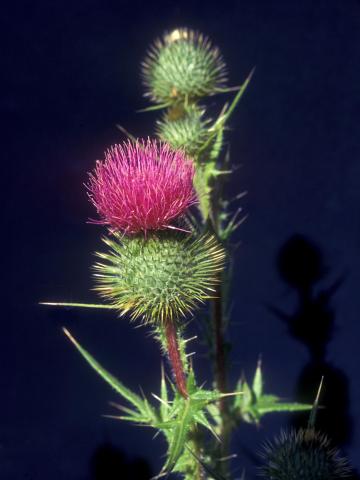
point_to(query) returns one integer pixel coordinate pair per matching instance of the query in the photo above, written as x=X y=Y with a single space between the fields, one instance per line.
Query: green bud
x=188 y=132
x=182 y=65
x=163 y=276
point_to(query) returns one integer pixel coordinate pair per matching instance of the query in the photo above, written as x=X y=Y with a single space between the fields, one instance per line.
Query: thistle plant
x=168 y=252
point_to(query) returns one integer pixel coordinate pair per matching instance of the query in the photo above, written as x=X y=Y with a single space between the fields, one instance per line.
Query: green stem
x=219 y=330
x=221 y=379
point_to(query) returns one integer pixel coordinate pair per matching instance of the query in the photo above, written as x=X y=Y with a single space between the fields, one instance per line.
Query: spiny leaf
x=201 y=419
x=265 y=407
x=253 y=404
x=238 y=96
x=179 y=436
x=135 y=419
x=203 y=191
x=217 y=145
x=226 y=113
x=247 y=398
x=164 y=406
x=257 y=385
x=132 y=397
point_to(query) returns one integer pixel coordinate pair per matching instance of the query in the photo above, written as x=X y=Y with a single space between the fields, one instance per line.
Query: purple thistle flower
x=142 y=186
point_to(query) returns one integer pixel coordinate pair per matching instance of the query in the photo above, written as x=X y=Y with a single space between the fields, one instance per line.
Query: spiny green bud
x=183 y=64
x=303 y=455
x=160 y=277
x=188 y=132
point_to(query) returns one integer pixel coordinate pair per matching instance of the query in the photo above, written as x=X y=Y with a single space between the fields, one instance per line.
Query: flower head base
x=183 y=64
x=303 y=455
x=142 y=186
x=188 y=132
x=161 y=277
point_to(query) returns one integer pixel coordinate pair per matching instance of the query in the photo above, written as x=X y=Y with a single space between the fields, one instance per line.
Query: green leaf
x=201 y=419
x=214 y=412
x=132 y=397
x=217 y=144
x=247 y=398
x=203 y=190
x=237 y=98
x=179 y=436
x=254 y=404
x=283 y=407
x=257 y=385
x=164 y=405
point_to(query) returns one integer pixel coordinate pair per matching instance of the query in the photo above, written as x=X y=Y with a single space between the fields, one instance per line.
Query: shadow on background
x=110 y=463
x=301 y=265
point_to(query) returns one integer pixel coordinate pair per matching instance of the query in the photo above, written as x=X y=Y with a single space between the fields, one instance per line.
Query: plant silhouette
x=301 y=265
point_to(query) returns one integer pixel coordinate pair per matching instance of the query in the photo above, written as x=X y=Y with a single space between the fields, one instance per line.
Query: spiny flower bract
x=142 y=186
x=183 y=64
x=161 y=276
x=188 y=132
x=303 y=455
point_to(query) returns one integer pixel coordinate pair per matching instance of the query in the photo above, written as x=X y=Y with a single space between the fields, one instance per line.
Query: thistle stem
x=221 y=379
x=220 y=360
x=175 y=358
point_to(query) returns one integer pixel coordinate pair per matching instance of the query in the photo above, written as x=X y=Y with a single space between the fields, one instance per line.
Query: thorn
x=68 y=334
x=159 y=399
x=171 y=227
x=79 y=305
x=229 y=457
x=119 y=407
x=125 y=132
x=190 y=339
x=312 y=417
x=232 y=394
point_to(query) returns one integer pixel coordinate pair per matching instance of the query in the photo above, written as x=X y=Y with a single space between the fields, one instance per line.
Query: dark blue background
x=72 y=73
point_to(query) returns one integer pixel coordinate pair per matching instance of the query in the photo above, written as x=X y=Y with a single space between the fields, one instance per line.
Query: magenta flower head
x=141 y=186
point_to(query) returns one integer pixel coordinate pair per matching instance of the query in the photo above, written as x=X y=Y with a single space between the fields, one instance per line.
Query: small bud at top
x=183 y=64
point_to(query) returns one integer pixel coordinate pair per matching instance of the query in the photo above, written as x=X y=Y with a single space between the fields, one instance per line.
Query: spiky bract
x=188 y=132
x=142 y=186
x=303 y=455
x=160 y=277
x=183 y=64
